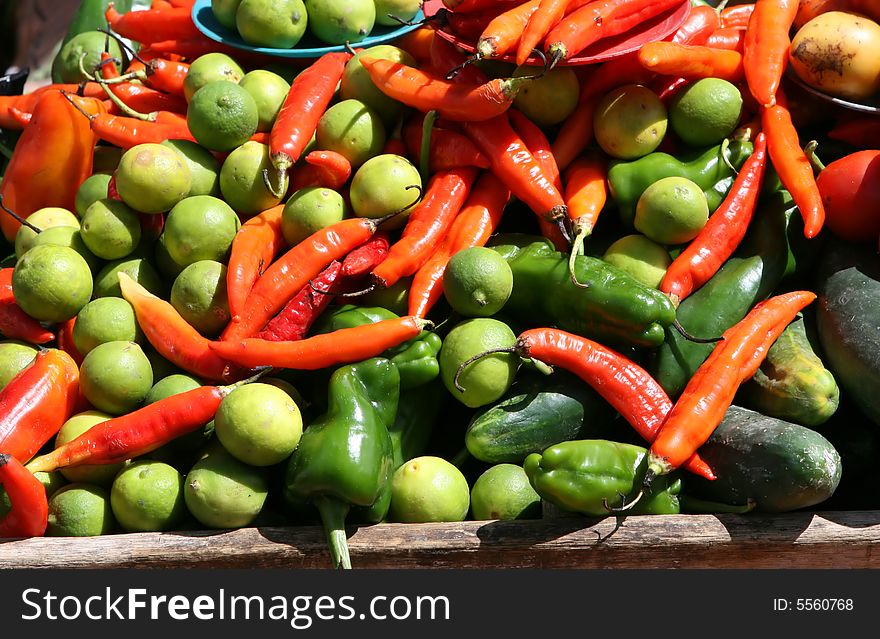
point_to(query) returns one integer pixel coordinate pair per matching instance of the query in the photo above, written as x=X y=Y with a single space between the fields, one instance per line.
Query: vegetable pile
x=413 y=284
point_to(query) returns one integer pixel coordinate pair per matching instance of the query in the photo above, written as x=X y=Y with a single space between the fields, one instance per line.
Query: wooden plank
x=792 y=540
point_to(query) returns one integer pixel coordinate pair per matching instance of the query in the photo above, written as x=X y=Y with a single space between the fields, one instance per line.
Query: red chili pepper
x=737 y=16
x=342 y=346
x=732 y=39
x=449 y=149
x=36 y=402
x=503 y=33
x=308 y=97
x=545 y=17
x=126 y=132
x=725 y=229
x=171 y=335
x=516 y=167
x=145 y=99
x=428 y=223
x=362 y=260
x=395 y=146
x=666 y=87
x=152 y=25
x=474 y=224
x=322 y=168
x=765 y=50
x=14 y=322
x=296 y=318
x=166 y=75
x=65 y=340
x=701 y=22
x=30 y=508
x=792 y=164
x=152 y=225
x=691 y=61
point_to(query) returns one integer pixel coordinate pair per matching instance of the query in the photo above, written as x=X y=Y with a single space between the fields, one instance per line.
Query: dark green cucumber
x=792 y=382
x=538 y=411
x=775 y=465
x=848 y=320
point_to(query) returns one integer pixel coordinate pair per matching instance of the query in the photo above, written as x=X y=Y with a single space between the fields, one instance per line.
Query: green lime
x=395 y=297
x=383 y=185
x=76 y=425
x=549 y=99
x=223 y=492
x=477 y=282
x=259 y=424
x=200 y=228
x=42 y=219
x=357 y=84
x=341 y=21
x=52 y=283
x=486 y=379
x=402 y=9
x=210 y=67
x=353 y=130
x=269 y=90
x=15 y=356
x=427 y=489
x=147 y=496
x=503 y=492
x=274 y=24
x=308 y=211
x=222 y=116
x=116 y=376
x=224 y=12
x=630 y=122
x=70 y=237
x=672 y=210
x=91 y=190
x=162 y=259
x=80 y=510
x=173 y=384
x=199 y=295
x=105 y=319
x=641 y=257
x=110 y=229
x=242 y=183
x=138 y=268
x=203 y=167
x=705 y=112
x=106 y=160
x=152 y=178
x=91 y=44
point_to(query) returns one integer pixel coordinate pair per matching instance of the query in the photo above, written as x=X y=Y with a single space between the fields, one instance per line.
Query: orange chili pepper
x=65 y=340
x=152 y=25
x=738 y=16
x=322 y=168
x=700 y=23
x=765 y=50
x=30 y=508
x=692 y=62
x=418 y=44
x=502 y=34
x=14 y=322
x=545 y=17
x=586 y=192
x=730 y=38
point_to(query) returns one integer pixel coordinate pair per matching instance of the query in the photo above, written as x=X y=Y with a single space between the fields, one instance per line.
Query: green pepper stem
x=333 y=512
x=577 y=248
x=810 y=152
x=280 y=172
x=425 y=149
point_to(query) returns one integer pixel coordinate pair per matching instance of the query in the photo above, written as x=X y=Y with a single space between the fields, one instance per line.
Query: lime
x=549 y=99
x=672 y=211
x=402 y=9
x=200 y=228
x=15 y=356
x=210 y=67
x=477 y=282
x=274 y=24
x=116 y=376
x=52 y=283
x=502 y=492
x=427 y=489
x=309 y=210
x=395 y=297
x=110 y=229
x=269 y=90
x=223 y=492
x=341 y=21
x=105 y=319
x=386 y=184
x=241 y=179
x=486 y=379
x=705 y=112
x=71 y=237
x=641 y=257
x=76 y=425
x=357 y=84
x=199 y=295
x=147 y=496
x=259 y=424
x=353 y=130
x=203 y=167
x=80 y=510
x=152 y=178
x=167 y=266
x=92 y=189
x=91 y=44
x=222 y=115
x=224 y=12
x=630 y=122
x=138 y=268
x=42 y=219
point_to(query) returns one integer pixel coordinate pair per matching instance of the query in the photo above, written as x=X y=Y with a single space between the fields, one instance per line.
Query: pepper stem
x=454 y=71
x=810 y=152
x=18 y=218
x=696 y=340
x=333 y=512
x=279 y=173
x=478 y=356
x=381 y=220
x=425 y=151
x=577 y=249
x=260 y=372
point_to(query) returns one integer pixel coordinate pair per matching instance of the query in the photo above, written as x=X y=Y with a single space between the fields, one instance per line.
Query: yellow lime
x=672 y=211
x=209 y=68
x=199 y=295
x=549 y=99
x=630 y=122
x=275 y=24
x=641 y=257
x=42 y=219
x=152 y=178
x=502 y=492
x=116 y=376
x=147 y=496
x=427 y=489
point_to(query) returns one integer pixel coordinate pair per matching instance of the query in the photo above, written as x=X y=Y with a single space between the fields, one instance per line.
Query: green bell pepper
x=627 y=180
x=584 y=475
x=344 y=459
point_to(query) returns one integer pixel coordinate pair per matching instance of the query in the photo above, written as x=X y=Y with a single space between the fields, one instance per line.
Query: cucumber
x=848 y=320
x=538 y=411
x=775 y=465
x=792 y=382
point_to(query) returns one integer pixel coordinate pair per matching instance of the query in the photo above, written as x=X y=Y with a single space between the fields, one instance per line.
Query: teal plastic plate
x=308 y=47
